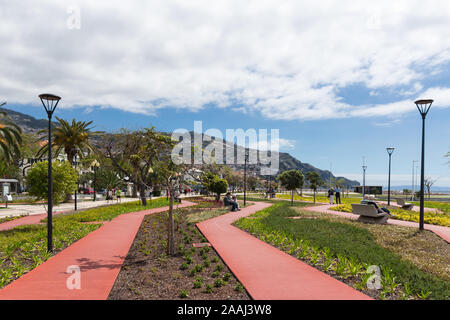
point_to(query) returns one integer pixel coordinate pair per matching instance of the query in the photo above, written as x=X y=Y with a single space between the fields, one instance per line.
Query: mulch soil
x=196 y=273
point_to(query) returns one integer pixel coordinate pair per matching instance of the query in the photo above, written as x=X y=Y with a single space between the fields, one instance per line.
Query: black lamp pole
x=95 y=183
x=49 y=101
x=423 y=106
x=364 y=180
x=389 y=150
x=245 y=177
x=76 y=190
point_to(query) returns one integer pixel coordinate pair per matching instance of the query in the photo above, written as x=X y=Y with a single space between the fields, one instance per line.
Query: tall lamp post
x=423 y=106
x=245 y=177
x=95 y=165
x=364 y=167
x=49 y=101
x=76 y=190
x=389 y=150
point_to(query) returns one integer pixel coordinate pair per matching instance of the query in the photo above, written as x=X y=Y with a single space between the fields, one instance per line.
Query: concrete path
x=415 y=208
x=39 y=209
x=443 y=232
x=36 y=218
x=99 y=256
x=266 y=272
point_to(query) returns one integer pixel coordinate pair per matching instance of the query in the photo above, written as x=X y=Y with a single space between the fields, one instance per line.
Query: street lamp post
x=95 y=166
x=364 y=167
x=49 y=101
x=423 y=106
x=245 y=177
x=389 y=150
x=76 y=190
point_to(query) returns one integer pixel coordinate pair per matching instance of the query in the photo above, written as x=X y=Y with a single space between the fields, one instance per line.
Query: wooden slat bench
x=368 y=213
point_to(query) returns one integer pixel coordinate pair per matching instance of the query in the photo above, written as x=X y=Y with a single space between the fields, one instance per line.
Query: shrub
x=198 y=282
x=239 y=287
x=208 y=288
x=184 y=293
x=184 y=266
x=218 y=283
x=64 y=180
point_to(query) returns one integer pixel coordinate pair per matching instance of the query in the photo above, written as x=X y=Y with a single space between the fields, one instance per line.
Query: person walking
x=331 y=195
x=118 y=195
x=338 y=195
x=109 y=196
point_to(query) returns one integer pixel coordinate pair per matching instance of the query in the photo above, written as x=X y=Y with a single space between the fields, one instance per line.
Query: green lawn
x=318 y=198
x=442 y=206
x=345 y=249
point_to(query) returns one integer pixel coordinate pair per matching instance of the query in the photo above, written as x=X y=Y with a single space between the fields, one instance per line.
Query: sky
x=337 y=78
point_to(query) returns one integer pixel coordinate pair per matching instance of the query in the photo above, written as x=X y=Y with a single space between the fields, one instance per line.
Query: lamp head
x=364 y=167
x=390 y=150
x=95 y=164
x=424 y=106
x=49 y=101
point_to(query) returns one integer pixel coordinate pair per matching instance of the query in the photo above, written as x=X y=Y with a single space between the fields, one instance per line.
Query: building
x=369 y=189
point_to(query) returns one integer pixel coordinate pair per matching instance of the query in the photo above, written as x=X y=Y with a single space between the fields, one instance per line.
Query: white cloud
x=264 y=145
x=286 y=61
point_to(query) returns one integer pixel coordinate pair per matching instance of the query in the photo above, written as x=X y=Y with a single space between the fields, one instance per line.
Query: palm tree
x=72 y=138
x=10 y=137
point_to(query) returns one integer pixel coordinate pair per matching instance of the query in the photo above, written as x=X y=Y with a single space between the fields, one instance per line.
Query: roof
x=9 y=180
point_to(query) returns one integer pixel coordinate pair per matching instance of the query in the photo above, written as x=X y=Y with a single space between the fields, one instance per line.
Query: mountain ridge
x=29 y=124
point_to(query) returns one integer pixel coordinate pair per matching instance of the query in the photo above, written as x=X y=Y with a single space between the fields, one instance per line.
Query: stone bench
x=405 y=205
x=369 y=214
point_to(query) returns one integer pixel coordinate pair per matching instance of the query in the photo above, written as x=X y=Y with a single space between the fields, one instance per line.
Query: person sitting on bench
x=228 y=201
x=176 y=196
x=380 y=210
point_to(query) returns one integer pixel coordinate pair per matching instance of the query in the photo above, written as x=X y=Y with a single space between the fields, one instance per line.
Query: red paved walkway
x=266 y=272
x=443 y=232
x=33 y=219
x=99 y=255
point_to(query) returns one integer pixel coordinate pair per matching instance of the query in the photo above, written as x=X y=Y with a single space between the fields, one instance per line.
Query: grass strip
x=344 y=240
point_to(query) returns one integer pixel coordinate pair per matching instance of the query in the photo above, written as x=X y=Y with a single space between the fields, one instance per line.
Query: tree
x=134 y=154
x=314 y=181
x=235 y=180
x=170 y=176
x=214 y=184
x=64 y=180
x=10 y=138
x=291 y=180
x=252 y=182
x=72 y=138
x=108 y=179
x=406 y=192
x=218 y=186
x=428 y=181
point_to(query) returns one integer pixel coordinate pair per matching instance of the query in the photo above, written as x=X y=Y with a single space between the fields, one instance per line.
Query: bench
x=369 y=214
x=227 y=204
x=405 y=205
